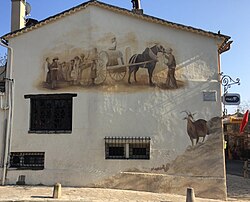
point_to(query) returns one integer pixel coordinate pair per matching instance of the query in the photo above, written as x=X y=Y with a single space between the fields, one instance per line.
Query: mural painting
x=101 y=67
x=71 y=72
x=197 y=154
x=171 y=81
x=201 y=160
x=147 y=59
x=196 y=129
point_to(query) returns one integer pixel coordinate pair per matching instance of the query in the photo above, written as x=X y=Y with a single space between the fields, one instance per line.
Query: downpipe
x=9 y=106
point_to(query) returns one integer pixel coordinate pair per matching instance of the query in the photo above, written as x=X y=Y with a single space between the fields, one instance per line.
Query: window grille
x=139 y=151
x=115 y=151
x=127 y=147
x=50 y=113
x=3 y=65
x=27 y=160
x=2 y=86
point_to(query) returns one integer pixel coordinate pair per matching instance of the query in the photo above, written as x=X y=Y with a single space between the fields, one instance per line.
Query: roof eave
x=115 y=9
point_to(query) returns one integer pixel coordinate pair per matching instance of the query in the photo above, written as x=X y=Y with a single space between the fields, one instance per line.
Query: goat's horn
x=185 y=112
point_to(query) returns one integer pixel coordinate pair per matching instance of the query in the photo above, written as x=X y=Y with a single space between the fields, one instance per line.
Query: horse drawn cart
x=110 y=63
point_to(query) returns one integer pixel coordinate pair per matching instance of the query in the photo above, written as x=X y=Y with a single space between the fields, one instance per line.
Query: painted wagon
x=110 y=62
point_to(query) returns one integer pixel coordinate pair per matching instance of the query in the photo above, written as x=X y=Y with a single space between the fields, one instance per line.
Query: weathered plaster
x=136 y=110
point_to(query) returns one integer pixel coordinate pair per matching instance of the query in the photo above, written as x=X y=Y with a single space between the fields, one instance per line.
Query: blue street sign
x=231 y=99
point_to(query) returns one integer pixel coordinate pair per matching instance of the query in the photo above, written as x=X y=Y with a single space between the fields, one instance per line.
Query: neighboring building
x=238 y=144
x=3 y=63
x=78 y=118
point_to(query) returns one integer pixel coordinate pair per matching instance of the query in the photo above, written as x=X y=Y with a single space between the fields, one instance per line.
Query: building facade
x=105 y=97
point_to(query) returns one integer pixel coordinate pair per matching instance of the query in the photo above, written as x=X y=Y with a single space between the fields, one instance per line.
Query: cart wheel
x=117 y=75
x=101 y=71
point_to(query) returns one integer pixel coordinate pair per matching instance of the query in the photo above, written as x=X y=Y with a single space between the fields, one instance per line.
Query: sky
x=231 y=17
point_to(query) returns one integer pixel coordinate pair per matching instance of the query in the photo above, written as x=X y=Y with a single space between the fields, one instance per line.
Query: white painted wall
x=2 y=134
x=78 y=158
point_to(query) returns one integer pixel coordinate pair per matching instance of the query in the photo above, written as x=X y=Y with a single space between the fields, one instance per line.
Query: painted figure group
x=70 y=72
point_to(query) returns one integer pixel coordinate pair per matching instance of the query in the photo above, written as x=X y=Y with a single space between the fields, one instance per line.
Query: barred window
x=115 y=151
x=127 y=147
x=27 y=160
x=50 y=113
x=139 y=150
x=2 y=86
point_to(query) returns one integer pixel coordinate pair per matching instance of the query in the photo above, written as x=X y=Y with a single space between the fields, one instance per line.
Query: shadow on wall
x=200 y=167
x=203 y=159
x=162 y=106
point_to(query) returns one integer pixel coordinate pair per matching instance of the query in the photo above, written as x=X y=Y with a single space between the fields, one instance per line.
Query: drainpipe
x=9 y=106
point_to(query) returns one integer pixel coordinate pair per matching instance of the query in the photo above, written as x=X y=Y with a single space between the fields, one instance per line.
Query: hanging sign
x=234 y=119
x=231 y=99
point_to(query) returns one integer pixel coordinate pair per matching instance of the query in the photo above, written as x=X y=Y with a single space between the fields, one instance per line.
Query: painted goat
x=196 y=129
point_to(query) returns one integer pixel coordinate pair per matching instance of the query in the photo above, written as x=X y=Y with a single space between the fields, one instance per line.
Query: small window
x=115 y=151
x=139 y=151
x=50 y=113
x=3 y=66
x=27 y=160
x=2 y=86
x=127 y=147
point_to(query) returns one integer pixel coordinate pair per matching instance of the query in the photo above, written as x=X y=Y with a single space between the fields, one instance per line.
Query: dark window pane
x=51 y=113
x=27 y=160
x=139 y=151
x=127 y=147
x=33 y=159
x=116 y=151
x=16 y=161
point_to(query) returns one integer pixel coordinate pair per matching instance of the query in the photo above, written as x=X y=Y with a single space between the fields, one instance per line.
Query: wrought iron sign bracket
x=226 y=81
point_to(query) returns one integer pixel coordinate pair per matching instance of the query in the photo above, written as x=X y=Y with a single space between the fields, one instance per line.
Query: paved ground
x=238 y=190
x=238 y=187
x=234 y=167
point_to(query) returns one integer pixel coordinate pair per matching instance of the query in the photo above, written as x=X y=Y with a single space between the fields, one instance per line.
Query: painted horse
x=147 y=59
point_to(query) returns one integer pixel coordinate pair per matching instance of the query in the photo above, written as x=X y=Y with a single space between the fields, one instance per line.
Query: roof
x=118 y=10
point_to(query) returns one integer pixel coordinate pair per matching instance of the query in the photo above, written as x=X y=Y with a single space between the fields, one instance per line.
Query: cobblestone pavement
x=238 y=187
x=238 y=190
